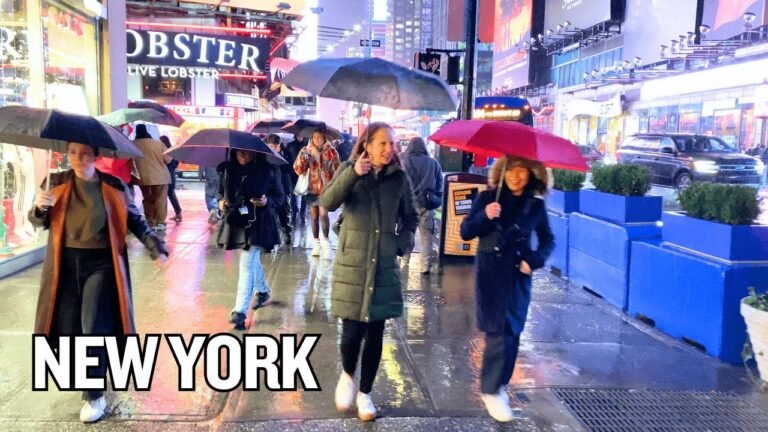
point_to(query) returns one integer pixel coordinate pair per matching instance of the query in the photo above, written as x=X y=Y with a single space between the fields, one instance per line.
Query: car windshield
x=700 y=144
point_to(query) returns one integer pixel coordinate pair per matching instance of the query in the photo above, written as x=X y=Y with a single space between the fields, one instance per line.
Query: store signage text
x=9 y=38
x=203 y=111
x=208 y=51
x=172 y=71
x=609 y=108
x=241 y=101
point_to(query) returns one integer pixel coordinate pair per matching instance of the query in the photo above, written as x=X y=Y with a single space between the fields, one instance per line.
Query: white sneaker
x=366 y=410
x=503 y=394
x=345 y=392
x=316 y=248
x=325 y=247
x=93 y=410
x=498 y=408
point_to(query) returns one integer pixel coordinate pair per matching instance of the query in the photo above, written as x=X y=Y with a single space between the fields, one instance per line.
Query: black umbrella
x=53 y=130
x=169 y=118
x=304 y=128
x=210 y=147
x=267 y=126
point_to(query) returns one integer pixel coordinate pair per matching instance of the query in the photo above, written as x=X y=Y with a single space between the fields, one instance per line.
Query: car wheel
x=683 y=181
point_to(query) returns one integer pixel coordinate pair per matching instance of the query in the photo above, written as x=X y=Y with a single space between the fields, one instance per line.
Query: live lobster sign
x=148 y=47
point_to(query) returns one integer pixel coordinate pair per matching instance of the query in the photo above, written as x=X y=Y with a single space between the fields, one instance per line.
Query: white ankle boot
x=316 y=248
x=366 y=410
x=497 y=407
x=345 y=392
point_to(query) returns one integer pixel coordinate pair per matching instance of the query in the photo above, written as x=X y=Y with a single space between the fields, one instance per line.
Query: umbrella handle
x=48 y=171
x=501 y=179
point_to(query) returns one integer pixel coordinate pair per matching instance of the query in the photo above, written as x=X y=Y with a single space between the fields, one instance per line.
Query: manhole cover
x=423 y=298
x=657 y=411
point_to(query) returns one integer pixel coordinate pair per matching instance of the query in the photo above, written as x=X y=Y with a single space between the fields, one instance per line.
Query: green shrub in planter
x=568 y=181
x=628 y=180
x=728 y=204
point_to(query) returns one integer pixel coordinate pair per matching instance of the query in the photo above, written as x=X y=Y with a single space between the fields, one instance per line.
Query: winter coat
x=292 y=150
x=423 y=171
x=237 y=185
x=285 y=172
x=366 y=276
x=152 y=167
x=321 y=170
x=122 y=216
x=503 y=292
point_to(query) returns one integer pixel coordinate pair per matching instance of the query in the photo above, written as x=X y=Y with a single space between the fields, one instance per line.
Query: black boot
x=238 y=320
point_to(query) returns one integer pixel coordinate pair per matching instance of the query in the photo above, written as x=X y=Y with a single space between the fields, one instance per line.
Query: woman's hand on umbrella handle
x=493 y=210
x=363 y=164
x=44 y=200
x=525 y=268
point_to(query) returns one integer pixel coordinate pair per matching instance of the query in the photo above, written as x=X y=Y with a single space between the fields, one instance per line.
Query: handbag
x=302 y=184
x=433 y=200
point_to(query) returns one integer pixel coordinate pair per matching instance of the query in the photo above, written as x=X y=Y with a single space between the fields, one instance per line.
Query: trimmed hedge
x=628 y=180
x=728 y=204
x=567 y=180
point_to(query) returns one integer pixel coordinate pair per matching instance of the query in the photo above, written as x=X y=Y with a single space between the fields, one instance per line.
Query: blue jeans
x=251 y=279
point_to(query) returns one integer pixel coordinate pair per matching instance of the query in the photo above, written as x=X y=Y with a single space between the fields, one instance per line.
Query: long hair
x=537 y=180
x=366 y=137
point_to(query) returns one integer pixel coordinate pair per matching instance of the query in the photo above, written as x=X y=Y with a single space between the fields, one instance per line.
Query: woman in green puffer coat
x=366 y=291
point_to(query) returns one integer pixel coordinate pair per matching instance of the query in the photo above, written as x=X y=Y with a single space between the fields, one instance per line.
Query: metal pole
x=370 y=29
x=469 y=59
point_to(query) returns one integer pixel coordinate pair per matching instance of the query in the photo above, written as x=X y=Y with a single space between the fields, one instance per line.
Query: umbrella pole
x=48 y=170
x=501 y=178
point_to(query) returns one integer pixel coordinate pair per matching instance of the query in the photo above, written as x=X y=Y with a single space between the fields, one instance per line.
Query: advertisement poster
x=652 y=23
x=460 y=198
x=580 y=13
x=513 y=27
x=725 y=17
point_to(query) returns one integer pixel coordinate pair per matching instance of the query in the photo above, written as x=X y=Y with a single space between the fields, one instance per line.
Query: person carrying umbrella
x=86 y=286
x=154 y=179
x=504 y=218
x=285 y=171
x=376 y=194
x=172 y=165
x=298 y=203
x=249 y=193
x=321 y=161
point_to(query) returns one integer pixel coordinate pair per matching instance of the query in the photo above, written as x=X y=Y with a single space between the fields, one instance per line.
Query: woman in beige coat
x=154 y=178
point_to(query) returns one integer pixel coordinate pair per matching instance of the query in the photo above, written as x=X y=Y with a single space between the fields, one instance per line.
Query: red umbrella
x=498 y=138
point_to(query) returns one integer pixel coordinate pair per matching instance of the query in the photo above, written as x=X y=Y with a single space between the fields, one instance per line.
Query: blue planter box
x=618 y=208
x=693 y=297
x=558 y=260
x=599 y=254
x=563 y=202
x=728 y=242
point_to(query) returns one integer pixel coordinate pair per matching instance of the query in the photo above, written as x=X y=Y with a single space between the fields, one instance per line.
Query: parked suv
x=679 y=159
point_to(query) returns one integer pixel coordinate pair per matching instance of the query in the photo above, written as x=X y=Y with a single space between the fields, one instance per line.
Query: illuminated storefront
x=49 y=58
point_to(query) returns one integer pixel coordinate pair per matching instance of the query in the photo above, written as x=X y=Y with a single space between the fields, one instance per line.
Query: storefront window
x=749 y=132
x=71 y=71
x=727 y=125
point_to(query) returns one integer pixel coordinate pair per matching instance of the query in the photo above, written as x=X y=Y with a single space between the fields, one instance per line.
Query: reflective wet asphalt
x=428 y=379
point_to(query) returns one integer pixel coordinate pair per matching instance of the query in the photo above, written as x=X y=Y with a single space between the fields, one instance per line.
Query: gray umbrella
x=373 y=81
x=210 y=147
x=130 y=115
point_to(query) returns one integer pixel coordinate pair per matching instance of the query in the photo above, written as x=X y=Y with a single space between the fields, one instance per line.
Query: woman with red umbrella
x=504 y=218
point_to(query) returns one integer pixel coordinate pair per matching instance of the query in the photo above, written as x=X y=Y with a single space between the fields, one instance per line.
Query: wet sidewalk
x=581 y=361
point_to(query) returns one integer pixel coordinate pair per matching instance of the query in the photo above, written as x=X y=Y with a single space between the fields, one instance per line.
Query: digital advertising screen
x=652 y=23
x=513 y=26
x=725 y=17
x=580 y=13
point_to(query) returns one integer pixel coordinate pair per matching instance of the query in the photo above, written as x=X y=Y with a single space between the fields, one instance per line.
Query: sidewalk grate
x=623 y=410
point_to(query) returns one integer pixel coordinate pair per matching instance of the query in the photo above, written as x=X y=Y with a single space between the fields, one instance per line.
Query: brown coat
x=152 y=167
x=122 y=215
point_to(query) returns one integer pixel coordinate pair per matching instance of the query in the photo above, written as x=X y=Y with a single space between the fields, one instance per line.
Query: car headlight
x=706 y=167
x=760 y=167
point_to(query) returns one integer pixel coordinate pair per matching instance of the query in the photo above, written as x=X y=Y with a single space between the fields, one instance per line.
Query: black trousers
x=172 y=194
x=499 y=360
x=352 y=336
x=283 y=215
x=86 y=303
x=298 y=210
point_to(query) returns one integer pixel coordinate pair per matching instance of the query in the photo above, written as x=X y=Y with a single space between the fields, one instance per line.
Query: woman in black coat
x=503 y=267
x=249 y=192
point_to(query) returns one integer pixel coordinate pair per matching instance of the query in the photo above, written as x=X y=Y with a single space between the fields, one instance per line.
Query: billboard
x=725 y=17
x=580 y=13
x=652 y=23
x=513 y=27
x=457 y=20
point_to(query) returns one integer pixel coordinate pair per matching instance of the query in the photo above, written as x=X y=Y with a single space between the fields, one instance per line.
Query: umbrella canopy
x=373 y=81
x=210 y=147
x=52 y=130
x=169 y=118
x=498 y=138
x=267 y=126
x=304 y=128
x=130 y=115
